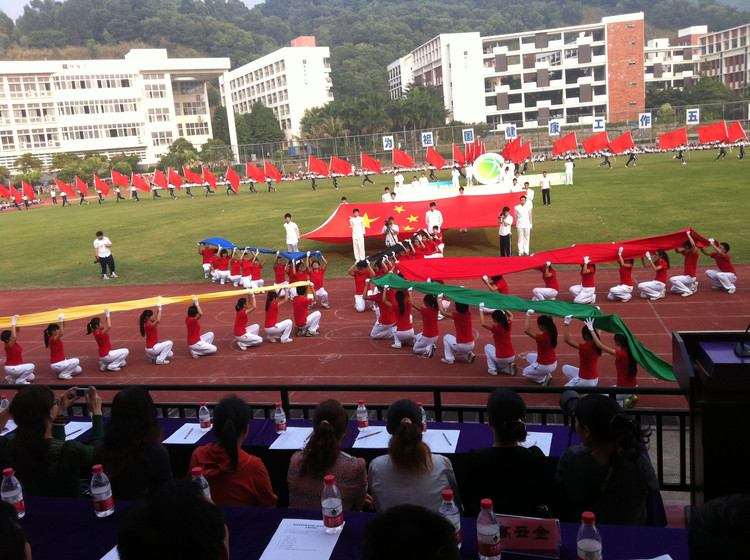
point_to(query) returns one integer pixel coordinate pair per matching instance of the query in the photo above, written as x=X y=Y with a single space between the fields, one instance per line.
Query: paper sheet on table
x=186 y=434
x=376 y=437
x=74 y=430
x=112 y=554
x=441 y=441
x=10 y=425
x=662 y=557
x=543 y=440
x=293 y=438
x=300 y=538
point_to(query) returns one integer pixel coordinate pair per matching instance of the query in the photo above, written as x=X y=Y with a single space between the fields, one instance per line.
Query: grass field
x=154 y=242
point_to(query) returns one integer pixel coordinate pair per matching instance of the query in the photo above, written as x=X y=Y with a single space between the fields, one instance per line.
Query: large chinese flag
x=174 y=178
x=735 y=132
x=318 y=166
x=101 y=185
x=81 y=186
x=434 y=158
x=65 y=187
x=370 y=163
x=119 y=178
x=28 y=190
x=192 y=176
x=713 y=133
x=255 y=173
x=160 y=179
x=209 y=177
x=458 y=157
x=272 y=172
x=233 y=179
x=140 y=183
x=17 y=196
x=595 y=143
x=622 y=143
x=673 y=139
x=5 y=193
x=522 y=153
x=565 y=144
x=402 y=158
x=340 y=166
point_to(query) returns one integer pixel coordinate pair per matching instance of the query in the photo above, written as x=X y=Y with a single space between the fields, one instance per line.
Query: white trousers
x=221 y=275
x=423 y=344
x=323 y=296
x=235 y=279
x=403 y=338
x=206 y=267
x=247 y=282
x=115 y=358
x=359 y=248
x=313 y=322
x=281 y=330
x=20 y=373
x=380 y=331
x=497 y=364
x=250 y=338
x=571 y=372
x=203 y=347
x=259 y=283
x=454 y=349
x=721 y=279
x=67 y=367
x=568 y=177
x=524 y=234
x=583 y=295
x=359 y=303
x=682 y=284
x=621 y=292
x=434 y=256
x=160 y=351
x=536 y=371
x=651 y=289
x=540 y=294
x=292 y=247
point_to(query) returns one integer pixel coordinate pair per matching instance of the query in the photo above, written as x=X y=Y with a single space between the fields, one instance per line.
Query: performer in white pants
x=656 y=288
x=726 y=277
x=385 y=325
x=235 y=269
x=544 y=361
x=361 y=272
x=686 y=284
x=462 y=344
x=524 y=223
x=585 y=292
x=587 y=374
x=15 y=370
x=425 y=342
x=206 y=254
x=403 y=335
x=277 y=331
x=198 y=344
x=159 y=352
x=317 y=274
x=220 y=273
x=551 y=287
x=624 y=290
x=64 y=368
x=256 y=271
x=306 y=323
x=109 y=359
x=244 y=335
x=500 y=356
x=246 y=270
x=357 y=223
x=625 y=364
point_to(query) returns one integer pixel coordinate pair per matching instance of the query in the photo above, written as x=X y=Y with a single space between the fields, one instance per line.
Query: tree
x=216 y=151
x=28 y=163
x=181 y=152
x=665 y=114
x=4 y=174
x=220 y=124
x=263 y=125
x=124 y=163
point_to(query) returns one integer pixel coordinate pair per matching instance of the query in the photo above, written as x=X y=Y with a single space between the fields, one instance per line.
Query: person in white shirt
x=415 y=182
x=529 y=192
x=423 y=181
x=469 y=174
x=505 y=220
x=545 y=184
x=292 y=233
x=390 y=231
x=53 y=195
x=523 y=226
x=394 y=197
x=358 y=235
x=398 y=179
x=397 y=190
x=103 y=255
x=455 y=174
x=386 y=195
x=433 y=217
x=569 y=165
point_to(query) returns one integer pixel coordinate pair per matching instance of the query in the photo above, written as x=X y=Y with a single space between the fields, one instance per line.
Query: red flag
x=192 y=177
x=522 y=153
x=565 y=144
x=470 y=153
x=434 y=158
x=595 y=143
x=81 y=186
x=174 y=178
x=101 y=185
x=5 y=193
x=140 y=183
x=735 y=132
x=318 y=166
x=255 y=173
x=673 y=139
x=622 y=143
x=17 y=196
x=28 y=190
x=713 y=133
x=370 y=163
x=65 y=187
x=209 y=177
x=510 y=148
x=458 y=157
x=160 y=179
x=402 y=158
x=340 y=166
x=119 y=178
x=272 y=172
x=478 y=148
x=233 y=179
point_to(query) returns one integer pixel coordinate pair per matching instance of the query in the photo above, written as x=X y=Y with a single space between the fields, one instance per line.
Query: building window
x=193 y=108
x=159 y=114
x=196 y=129
x=162 y=138
x=156 y=91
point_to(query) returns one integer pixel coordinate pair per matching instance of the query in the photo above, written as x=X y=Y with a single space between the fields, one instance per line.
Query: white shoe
x=470 y=357
x=325 y=306
x=242 y=346
x=102 y=366
x=658 y=297
x=395 y=346
x=492 y=371
x=194 y=355
x=114 y=369
x=731 y=290
x=271 y=340
x=65 y=376
x=113 y=275
x=446 y=361
x=286 y=340
x=161 y=362
x=433 y=348
x=547 y=380
x=687 y=294
x=105 y=277
x=513 y=369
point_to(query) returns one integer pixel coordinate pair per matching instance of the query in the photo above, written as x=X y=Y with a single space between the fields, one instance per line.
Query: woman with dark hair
x=198 y=344
x=235 y=477
x=221 y=268
x=624 y=290
x=625 y=364
x=587 y=373
x=404 y=333
x=585 y=292
x=277 y=331
x=109 y=359
x=608 y=474
x=656 y=288
x=16 y=371
x=159 y=352
x=544 y=361
x=424 y=342
x=131 y=452
x=45 y=463
x=515 y=478
x=410 y=473
x=323 y=456
x=460 y=345
x=64 y=368
x=501 y=355
x=244 y=335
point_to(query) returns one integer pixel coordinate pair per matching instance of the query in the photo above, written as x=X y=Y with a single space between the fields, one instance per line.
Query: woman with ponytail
x=159 y=352
x=277 y=331
x=404 y=333
x=235 y=477
x=109 y=359
x=625 y=366
x=244 y=335
x=424 y=342
x=410 y=473
x=609 y=473
x=515 y=478
x=501 y=355
x=65 y=369
x=323 y=456
x=544 y=361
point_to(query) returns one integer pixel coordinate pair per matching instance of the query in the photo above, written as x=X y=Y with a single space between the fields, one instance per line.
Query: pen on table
x=190 y=431
x=308 y=436
x=446 y=439
x=368 y=435
x=74 y=432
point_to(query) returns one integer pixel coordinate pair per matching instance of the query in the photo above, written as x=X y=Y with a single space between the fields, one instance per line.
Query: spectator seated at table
x=178 y=523
x=720 y=529
x=515 y=478
x=131 y=452
x=235 y=477
x=410 y=473
x=323 y=456
x=412 y=532
x=46 y=464
x=609 y=473
x=14 y=544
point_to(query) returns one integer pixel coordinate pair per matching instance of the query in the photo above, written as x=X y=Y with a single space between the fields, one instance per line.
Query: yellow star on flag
x=412 y=218
x=408 y=228
x=399 y=209
x=368 y=221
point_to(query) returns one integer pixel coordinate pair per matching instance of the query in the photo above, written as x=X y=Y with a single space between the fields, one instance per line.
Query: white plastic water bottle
x=279 y=418
x=449 y=510
x=333 y=515
x=589 y=541
x=4 y=403
x=104 y=503
x=363 y=420
x=201 y=481
x=11 y=492
x=204 y=417
x=488 y=532
x=423 y=412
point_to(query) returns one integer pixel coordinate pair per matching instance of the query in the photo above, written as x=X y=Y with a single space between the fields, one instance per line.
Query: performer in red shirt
x=244 y=335
x=625 y=364
x=624 y=290
x=235 y=269
x=206 y=253
x=461 y=344
x=551 y=288
x=199 y=344
x=726 y=277
x=317 y=274
x=424 y=343
x=686 y=284
x=277 y=330
x=221 y=268
x=109 y=359
x=256 y=270
x=544 y=361
x=16 y=372
x=307 y=323
x=64 y=368
x=246 y=270
x=385 y=322
x=159 y=352
x=500 y=356
x=360 y=271
x=586 y=374
x=404 y=333
x=656 y=288
x=279 y=273
x=585 y=292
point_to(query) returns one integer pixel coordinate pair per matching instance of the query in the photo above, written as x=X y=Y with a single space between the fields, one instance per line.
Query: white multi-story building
x=288 y=81
x=399 y=77
x=674 y=62
x=138 y=105
x=727 y=54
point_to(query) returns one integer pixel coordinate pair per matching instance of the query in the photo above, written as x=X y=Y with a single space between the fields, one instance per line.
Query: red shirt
x=247 y=267
x=427 y=247
x=381 y=271
x=240 y=322
x=429 y=322
x=300 y=304
x=102 y=339
x=223 y=263
x=587 y=280
x=13 y=354
x=464 y=332
x=551 y=282
x=236 y=267
x=300 y=276
x=152 y=334
x=403 y=320
x=387 y=316
x=587 y=361
x=419 y=252
x=502 y=287
x=723 y=262
x=194 y=330
x=207 y=255
x=214 y=262
x=626 y=275
x=503 y=345
x=272 y=314
x=661 y=275
x=359 y=281
x=279 y=274
x=316 y=276
x=255 y=271
x=622 y=365
x=545 y=353
x=56 y=352
x=691 y=263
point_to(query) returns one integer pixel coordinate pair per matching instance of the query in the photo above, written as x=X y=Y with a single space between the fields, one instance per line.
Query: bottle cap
x=588 y=518
x=486 y=503
x=361 y=403
x=3 y=397
x=96 y=469
x=447 y=494
x=330 y=480
x=278 y=405
x=419 y=404
x=197 y=471
x=8 y=472
x=203 y=404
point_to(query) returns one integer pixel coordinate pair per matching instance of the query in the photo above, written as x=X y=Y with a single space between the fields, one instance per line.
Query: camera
x=82 y=391
x=568 y=403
